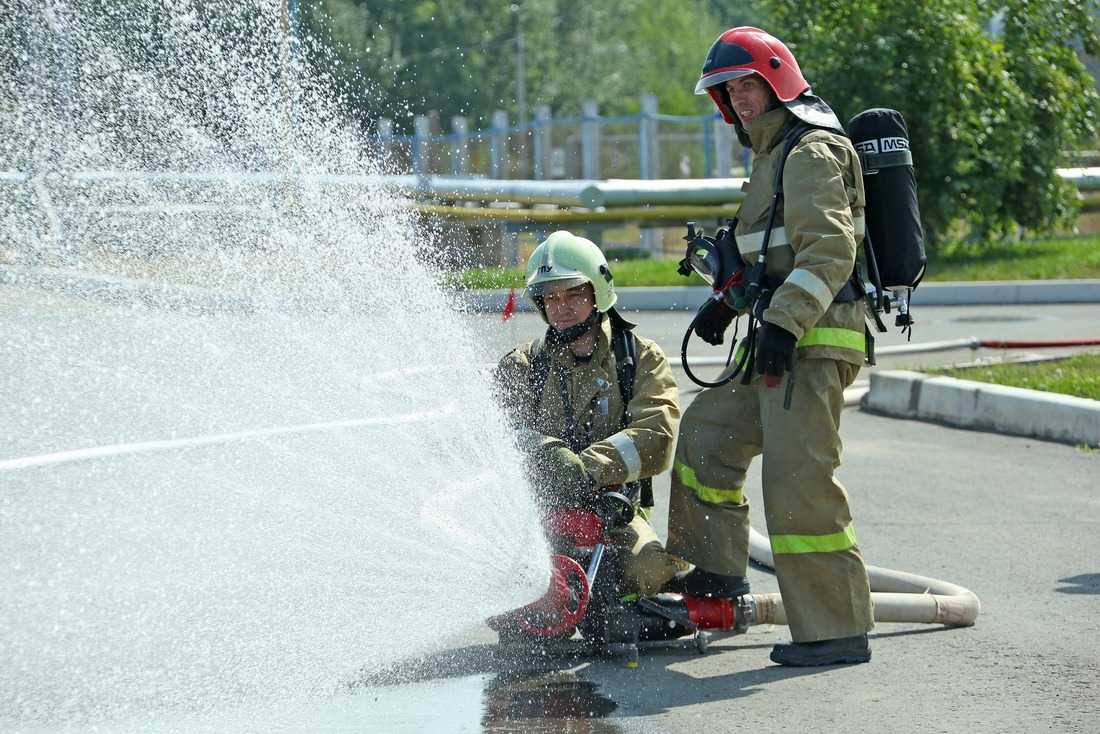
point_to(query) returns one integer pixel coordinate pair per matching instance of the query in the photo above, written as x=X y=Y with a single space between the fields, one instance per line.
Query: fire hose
x=898 y=596
x=975 y=343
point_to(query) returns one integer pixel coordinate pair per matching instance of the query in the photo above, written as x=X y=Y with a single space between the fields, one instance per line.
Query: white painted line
x=97 y=452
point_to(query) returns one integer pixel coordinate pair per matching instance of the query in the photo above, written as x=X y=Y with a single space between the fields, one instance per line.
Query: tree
x=1041 y=41
x=989 y=118
x=396 y=58
x=400 y=58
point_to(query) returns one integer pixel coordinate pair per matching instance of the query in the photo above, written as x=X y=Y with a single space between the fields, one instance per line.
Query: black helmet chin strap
x=573 y=333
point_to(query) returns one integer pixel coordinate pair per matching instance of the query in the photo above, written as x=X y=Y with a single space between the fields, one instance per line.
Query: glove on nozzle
x=569 y=472
x=774 y=350
x=559 y=472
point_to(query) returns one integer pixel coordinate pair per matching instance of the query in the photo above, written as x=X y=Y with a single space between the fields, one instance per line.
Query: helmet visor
x=542 y=287
x=720 y=77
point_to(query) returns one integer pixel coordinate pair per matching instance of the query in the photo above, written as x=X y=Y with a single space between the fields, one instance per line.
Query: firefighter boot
x=843 y=651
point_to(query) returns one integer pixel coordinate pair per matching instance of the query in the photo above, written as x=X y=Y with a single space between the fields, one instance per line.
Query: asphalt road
x=1015 y=520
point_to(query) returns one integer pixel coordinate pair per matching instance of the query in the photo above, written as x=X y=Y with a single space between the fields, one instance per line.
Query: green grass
x=1078 y=375
x=1048 y=259
x=1041 y=259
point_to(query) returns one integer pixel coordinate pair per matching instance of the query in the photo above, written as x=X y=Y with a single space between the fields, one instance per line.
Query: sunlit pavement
x=1013 y=519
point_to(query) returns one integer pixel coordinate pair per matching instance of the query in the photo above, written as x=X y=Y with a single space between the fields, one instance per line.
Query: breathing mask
x=717 y=261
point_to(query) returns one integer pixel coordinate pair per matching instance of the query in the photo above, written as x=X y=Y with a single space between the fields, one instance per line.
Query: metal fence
x=647 y=145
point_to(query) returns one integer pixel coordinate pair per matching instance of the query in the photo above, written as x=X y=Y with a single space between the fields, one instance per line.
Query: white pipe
x=897 y=596
x=578 y=193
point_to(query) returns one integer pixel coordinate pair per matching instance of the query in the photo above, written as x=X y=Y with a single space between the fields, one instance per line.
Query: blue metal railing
x=525 y=150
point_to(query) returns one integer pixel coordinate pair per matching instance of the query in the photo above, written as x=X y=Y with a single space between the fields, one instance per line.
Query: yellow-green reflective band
x=705 y=493
x=834 y=337
x=830 y=543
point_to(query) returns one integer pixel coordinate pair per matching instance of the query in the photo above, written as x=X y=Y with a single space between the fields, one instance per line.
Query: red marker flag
x=510 y=307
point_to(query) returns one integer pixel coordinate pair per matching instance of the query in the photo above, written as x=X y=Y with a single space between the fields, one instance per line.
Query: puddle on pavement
x=554 y=702
x=493 y=703
x=479 y=689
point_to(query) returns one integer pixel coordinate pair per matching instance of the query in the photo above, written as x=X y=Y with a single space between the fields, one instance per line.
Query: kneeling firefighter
x=595 y=405
x=795 y=238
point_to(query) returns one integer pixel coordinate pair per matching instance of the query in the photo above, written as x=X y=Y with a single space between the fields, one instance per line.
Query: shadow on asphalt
x=527 y=684
x=1085 y=583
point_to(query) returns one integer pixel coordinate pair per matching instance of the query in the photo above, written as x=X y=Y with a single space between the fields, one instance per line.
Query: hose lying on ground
x=897 y=596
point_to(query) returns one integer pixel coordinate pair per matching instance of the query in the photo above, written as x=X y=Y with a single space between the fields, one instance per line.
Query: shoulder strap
x=625 y=347
x=755 y=277
x=540 y=368
x=626 y=366
x=793 y=137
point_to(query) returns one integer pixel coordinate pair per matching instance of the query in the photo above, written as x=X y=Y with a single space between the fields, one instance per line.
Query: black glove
x=712 y=324
x=774 y=350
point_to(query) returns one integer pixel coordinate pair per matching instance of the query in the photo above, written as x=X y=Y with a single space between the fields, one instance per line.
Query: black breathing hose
x=711 y=303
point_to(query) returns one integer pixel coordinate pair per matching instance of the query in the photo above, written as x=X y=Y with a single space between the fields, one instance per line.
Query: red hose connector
x=711 y=614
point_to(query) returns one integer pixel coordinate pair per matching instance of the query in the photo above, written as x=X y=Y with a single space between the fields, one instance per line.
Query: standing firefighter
x=596 y=405
x=801 y=229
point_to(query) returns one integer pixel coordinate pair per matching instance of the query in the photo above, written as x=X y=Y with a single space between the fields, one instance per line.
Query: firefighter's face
x=750 y=97
x=569 y=306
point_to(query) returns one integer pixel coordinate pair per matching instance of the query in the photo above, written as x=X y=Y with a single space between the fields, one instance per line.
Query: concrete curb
x=985 y=407
x=1007 y=292
x=927 y=294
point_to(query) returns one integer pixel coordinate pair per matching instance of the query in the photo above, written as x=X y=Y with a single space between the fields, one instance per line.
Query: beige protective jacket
x=614 y=454
x=813 y=245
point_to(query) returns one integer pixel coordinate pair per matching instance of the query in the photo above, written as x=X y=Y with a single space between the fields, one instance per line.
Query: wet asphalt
x=1015 y=520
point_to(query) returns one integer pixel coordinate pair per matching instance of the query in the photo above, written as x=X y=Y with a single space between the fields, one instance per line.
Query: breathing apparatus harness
x=893 y=245
x=624 y=345
x=750 y=292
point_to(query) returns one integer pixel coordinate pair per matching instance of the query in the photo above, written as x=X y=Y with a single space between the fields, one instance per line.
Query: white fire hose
x=897 y=596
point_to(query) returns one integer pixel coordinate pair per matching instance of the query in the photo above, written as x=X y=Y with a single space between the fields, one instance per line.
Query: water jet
x=216 y=487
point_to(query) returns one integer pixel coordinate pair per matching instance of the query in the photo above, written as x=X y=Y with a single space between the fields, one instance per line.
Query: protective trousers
x=822 y=579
